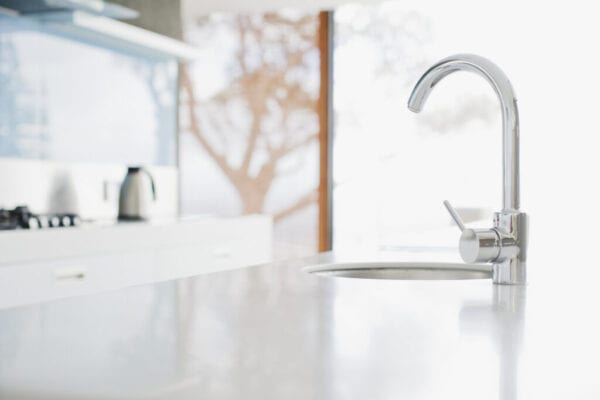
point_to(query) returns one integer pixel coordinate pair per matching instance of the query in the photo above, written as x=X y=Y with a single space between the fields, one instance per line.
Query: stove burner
x=22 y=218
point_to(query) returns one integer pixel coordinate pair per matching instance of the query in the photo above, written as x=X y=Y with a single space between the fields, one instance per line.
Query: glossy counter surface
x=276 y=332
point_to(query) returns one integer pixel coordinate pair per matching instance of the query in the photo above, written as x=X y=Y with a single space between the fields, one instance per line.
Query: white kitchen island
x=276 y=332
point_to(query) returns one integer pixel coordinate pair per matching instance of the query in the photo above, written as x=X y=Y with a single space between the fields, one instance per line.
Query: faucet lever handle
x=454 y=215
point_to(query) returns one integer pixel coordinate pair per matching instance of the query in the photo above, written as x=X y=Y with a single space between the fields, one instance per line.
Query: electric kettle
x=136 y=194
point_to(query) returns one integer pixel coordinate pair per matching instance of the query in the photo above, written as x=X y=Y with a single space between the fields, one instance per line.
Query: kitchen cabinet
x=44 y=265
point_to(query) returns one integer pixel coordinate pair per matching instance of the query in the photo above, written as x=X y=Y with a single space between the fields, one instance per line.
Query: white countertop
x=276 y=332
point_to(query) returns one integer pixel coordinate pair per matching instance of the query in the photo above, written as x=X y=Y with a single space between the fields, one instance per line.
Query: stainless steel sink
x=403 y=270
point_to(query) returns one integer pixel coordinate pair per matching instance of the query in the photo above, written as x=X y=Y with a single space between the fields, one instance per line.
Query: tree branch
x=303 y=202
x=187 y=85
x=286 y=148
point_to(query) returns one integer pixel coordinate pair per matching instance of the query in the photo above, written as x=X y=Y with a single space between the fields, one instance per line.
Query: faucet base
x=510 y=272
x=512 y=268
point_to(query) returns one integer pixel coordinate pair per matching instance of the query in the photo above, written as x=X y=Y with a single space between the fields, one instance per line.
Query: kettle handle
x=153 y=186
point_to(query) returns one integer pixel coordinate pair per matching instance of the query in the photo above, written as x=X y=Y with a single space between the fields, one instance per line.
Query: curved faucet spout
x=510 y=115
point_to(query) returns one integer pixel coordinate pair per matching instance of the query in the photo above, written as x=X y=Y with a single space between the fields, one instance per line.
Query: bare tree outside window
x=256 y=117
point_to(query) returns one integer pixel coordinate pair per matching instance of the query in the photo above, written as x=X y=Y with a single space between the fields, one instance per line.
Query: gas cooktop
x=22 y=218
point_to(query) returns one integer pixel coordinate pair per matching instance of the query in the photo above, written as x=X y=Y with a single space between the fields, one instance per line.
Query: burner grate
x=22 y=218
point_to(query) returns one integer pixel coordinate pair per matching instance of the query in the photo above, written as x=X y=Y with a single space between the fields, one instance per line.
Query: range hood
x=115 y=34
x=96 y=7
x=97 y=22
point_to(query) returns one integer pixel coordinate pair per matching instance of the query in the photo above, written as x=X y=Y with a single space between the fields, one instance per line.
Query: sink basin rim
x=402 y=270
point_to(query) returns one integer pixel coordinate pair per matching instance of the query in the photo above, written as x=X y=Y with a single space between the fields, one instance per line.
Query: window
x=251 y=122
x=392 y=168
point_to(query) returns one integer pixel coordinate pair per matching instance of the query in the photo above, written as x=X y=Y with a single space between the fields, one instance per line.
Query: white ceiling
x=193 y=8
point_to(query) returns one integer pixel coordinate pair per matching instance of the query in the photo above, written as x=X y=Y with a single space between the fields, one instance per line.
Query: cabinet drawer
x=35 y=282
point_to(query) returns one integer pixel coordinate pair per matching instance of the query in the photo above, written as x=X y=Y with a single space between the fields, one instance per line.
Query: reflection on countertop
x=274 y=331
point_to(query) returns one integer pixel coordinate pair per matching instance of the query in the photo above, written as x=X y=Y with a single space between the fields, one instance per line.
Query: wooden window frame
x=325 y=111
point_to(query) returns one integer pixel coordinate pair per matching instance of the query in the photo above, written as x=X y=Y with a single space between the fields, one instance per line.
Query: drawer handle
x=222 y=252
x=69 y=274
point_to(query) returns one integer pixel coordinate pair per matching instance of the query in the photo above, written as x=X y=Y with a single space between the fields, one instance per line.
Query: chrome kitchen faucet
x=505 y=245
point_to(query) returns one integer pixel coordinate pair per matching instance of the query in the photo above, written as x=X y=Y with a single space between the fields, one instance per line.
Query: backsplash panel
x=69 y=101
x=88 y=189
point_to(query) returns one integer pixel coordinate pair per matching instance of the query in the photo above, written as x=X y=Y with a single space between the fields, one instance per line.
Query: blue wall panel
x=66 y=100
